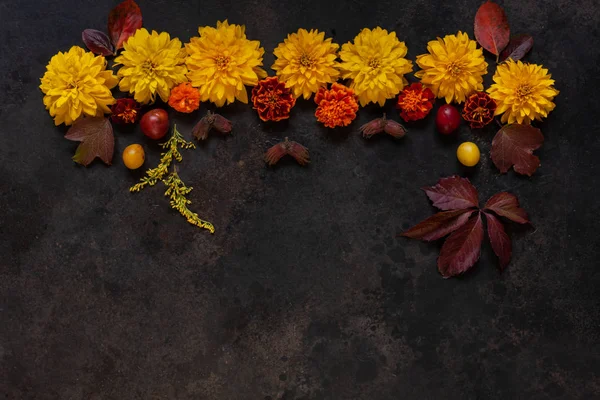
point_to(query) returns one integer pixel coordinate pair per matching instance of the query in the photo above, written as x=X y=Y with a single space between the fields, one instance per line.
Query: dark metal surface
x=304 y=292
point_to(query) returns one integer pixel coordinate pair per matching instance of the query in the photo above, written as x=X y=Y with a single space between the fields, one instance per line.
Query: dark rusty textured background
x=304 y=292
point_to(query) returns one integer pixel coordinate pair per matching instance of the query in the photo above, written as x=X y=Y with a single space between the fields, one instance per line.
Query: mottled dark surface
x=304 y=292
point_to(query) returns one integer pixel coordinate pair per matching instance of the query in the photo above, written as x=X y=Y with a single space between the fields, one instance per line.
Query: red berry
x=447 y=119
x=155 y=123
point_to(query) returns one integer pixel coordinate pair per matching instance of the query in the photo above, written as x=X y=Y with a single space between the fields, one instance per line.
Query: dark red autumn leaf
x=491 y=27
x=97 y=42
x=96 y=137
x=513 y=146
x=507 y=205
x=462 y=248
x=123 y=21
x=517 y=48
x=453 y=193
x=499 y=240
x=438 y=225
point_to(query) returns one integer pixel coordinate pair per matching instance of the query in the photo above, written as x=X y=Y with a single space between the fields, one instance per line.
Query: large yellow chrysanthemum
x=77 y=83
x=454 y=67
x=376 y=65
x=523 y=92
x=306 y=61
x=221 y=61
x=151 y=64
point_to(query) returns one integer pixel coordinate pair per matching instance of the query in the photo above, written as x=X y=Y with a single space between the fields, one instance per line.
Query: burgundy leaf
x=96 y=137
x=462 y=248
x=517 y=48
x=499 y=240
x=97 y=42
x=453 y=193
x=438 y=225
x=513 y=145
x=507 y=205
x=491 y=27
x=123 y=21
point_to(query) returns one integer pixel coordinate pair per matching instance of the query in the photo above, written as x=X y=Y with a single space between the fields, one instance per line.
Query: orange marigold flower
x=336 y=106
x=184 y=98
x=415 y=102
x=125 y=111
x=272 y=99
x=479 y=110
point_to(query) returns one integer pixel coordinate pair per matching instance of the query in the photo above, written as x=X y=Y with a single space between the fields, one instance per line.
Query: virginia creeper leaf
x=96 y=137
x=439 y=225
x=123 y=21
x=499 y=240
x=513 y=145
x=453 y=193
x=462 y=248
x=507 y=205
x=491 y=27
x=517 y=47
x=97 y=42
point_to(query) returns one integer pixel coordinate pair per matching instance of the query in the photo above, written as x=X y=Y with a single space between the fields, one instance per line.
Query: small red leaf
x=517 y=48
x=507 y=205
x=491 y=27
x=499 y=240
x=96 y=137
x=97 y=42
x=453 y=193
x=513 y=145
x=462 y=248
x=438 y=225
x=123 y=21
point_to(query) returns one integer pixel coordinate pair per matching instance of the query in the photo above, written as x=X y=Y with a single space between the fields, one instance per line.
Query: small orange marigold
x=185 y=98
x=336 y=106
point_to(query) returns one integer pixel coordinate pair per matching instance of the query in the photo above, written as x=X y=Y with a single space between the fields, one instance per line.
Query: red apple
x=155 y=123
x=447 y=119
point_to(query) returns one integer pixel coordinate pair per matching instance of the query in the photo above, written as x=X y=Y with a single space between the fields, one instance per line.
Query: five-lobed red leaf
x=453 y=193
x=513 y=146
x=96 y=137
x=97 y=42
x=462 y=248
x=507 y=205
x=123 y=21
x=439 y=225
x=517 y=47
x=499 y=240
x=491 y=27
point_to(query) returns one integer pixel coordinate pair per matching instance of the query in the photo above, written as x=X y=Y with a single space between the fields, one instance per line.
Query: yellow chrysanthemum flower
x=523 y=92
x=306 y=61
x=77 y=83
x=221 y=61
x=151 y=64
x=454 y=67
x=376 y=65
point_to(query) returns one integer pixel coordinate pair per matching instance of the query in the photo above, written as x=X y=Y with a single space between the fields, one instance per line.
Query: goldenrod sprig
x=153 y=175
x=177 y=191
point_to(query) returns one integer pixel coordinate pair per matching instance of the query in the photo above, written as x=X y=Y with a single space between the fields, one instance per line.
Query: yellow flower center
x=373 y=63
x=454 y=68
x=148 y=67
x=222 y=62
x=306 y=61
x=524 y=91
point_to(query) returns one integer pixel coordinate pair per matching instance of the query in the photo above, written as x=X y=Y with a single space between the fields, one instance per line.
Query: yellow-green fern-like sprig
x=153 y=175
x=177 y=191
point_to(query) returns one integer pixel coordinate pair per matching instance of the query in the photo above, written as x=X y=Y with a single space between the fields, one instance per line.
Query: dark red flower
x=272 y=99
x=479 y=110
x=125 y=111
x=415 y=102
